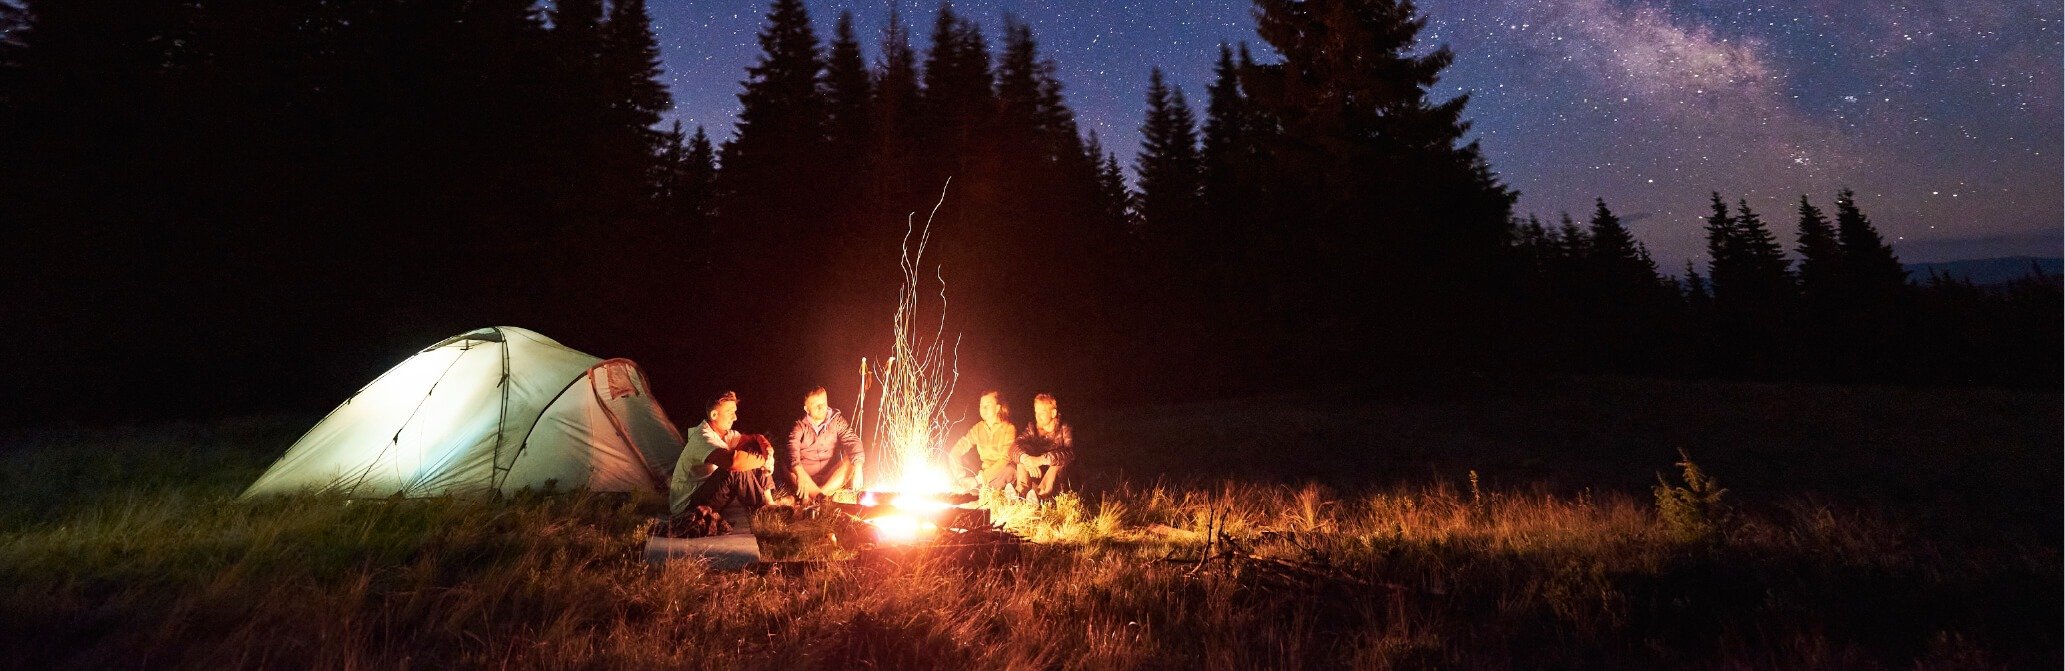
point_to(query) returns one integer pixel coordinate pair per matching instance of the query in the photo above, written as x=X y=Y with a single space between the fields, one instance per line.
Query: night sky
x=1943 y=116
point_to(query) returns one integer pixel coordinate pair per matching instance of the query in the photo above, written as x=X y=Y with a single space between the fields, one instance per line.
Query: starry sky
x=1943 y=116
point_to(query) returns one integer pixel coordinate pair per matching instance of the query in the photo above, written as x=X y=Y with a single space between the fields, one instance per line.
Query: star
x=1881 y=98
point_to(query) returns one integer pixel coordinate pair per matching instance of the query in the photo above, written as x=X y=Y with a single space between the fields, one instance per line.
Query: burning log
x=896 y=526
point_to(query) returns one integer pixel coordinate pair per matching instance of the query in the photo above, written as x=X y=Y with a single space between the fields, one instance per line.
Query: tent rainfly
x=496 y=409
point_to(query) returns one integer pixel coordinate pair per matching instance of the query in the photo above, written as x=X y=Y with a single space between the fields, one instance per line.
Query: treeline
x=1306 y=180
x=1845 y=310
x=271 y=193
x=269 y=199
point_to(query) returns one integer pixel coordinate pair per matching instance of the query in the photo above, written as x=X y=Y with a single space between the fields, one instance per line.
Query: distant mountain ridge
x=1987 y=271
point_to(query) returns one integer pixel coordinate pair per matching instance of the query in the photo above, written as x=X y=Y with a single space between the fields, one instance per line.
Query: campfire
x=921 y=508
x=918 y=507
x=911 y=518
x=889 y=524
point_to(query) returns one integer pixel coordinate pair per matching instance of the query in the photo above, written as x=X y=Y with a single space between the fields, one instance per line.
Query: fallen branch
x=1234 y=555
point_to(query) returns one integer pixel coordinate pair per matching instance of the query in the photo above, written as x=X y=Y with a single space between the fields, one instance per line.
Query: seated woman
x=991 y=440
x=1045 y=450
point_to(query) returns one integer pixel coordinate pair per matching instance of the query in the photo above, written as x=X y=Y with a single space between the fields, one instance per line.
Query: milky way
x=1944 y=117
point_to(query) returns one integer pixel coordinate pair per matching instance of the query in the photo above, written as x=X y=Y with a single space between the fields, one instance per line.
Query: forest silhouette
x=275 y=200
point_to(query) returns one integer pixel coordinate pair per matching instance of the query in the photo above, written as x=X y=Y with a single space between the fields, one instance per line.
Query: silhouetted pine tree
x=1820 y=271
x=633 y=98
x=1697 y=298
x=847 y=92
x=1379 y=189
x=768 y=163
x=1625 y=300
x=1872 y=322
x=1764 y=259
x=580 y=128
x=1820 y=256
x=1235 y=204
x=894 y=154
x=700 y=173
x=1114 y=201
x=1050 y=171
x=690 y=190
x=1019 y=117
x=1753 y=292
x=771 y=214
x=631 y=71
x=1723 y=248
x=402 y=146
x=1747 y=268
x=1168 y=169
x=1169 y=209
x=1618 y=260
x=958 y=100
x=1871 y=270
x=1042 y=215
x=1534 y=243
x=1230 y=152
x=1573 y=245
x=1060 y=136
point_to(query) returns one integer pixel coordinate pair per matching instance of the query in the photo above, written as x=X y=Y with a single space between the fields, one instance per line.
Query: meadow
x=1507 y=526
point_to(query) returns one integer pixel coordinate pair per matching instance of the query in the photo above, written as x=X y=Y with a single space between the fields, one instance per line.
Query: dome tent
x=494 y=409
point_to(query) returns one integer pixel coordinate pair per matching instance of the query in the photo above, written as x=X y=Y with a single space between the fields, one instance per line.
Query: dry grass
x=157 y=566
x=1411 y=578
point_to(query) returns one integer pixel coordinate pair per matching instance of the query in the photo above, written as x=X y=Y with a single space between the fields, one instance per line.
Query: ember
x=917 y=381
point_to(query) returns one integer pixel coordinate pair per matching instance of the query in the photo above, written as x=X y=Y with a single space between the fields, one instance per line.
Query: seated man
x=990 y=440
x=718 y=467
x=1045 y=449
x=826 y=452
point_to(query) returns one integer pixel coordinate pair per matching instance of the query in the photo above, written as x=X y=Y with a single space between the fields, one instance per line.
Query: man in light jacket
x=826 y=454
x=720 y=466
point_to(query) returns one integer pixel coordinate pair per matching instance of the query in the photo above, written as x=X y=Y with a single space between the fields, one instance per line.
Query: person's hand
x=746 y=461
x=806 y=489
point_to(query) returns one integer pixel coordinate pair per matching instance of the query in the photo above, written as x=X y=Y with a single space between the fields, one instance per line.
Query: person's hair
x=820 y=391
x=756 y=444
x=1044 y=397
x=1003 y=409
x=720 y=400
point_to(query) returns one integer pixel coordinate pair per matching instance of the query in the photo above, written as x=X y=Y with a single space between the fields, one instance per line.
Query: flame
x=917 y=379
x=924 y=479
x=912 y=504
x=900 y=528
x=917 y=382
